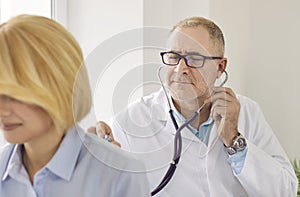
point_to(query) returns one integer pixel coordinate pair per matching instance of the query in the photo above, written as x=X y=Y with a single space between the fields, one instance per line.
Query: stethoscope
x=177 y=139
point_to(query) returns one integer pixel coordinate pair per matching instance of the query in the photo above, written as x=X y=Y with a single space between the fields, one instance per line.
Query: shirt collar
x=14 y=161
x=62 y=163
x=178 y=115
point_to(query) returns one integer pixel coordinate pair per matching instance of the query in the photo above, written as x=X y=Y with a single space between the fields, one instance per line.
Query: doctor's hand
x=103 y=130
x=225 y=111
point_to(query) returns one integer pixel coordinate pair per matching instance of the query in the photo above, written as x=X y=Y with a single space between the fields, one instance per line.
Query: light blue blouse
x=83 y=166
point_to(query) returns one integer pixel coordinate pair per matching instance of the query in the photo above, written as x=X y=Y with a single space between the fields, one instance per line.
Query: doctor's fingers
x=222 y=108
x=224 y=89
x=223 y=95
x=103 y=131
x=218 y=109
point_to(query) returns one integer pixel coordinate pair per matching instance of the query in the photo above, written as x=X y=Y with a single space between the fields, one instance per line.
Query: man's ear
x=222 y=66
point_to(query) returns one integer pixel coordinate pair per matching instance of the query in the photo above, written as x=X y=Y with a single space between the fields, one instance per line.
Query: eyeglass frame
x=185 y=59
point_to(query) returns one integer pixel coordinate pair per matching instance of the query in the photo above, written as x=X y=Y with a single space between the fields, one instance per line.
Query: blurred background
x=262 y=40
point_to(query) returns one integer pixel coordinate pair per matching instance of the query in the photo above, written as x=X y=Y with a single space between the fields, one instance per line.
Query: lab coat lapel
x=213 y=137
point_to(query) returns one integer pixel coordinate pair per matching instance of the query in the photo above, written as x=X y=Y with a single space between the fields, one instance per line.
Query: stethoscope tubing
x=178 y=138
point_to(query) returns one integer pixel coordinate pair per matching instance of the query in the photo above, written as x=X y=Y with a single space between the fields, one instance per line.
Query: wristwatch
x=239 y=144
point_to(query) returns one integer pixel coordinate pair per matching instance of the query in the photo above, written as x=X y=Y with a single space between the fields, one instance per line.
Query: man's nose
x=182 y=68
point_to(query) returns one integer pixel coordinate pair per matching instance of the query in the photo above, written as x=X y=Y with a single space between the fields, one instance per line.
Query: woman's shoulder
x=111 y=155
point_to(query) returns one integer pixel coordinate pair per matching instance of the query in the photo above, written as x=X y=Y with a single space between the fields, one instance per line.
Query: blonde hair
x=42 y=64
x=214 y=31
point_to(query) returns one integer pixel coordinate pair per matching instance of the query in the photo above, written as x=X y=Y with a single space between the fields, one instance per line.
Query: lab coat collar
x=160 y=107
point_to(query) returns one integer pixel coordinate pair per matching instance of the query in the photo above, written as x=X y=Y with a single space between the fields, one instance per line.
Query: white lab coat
x=146 y=129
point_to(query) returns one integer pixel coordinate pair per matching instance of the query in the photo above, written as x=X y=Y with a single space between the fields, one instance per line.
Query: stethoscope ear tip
x=226 y=78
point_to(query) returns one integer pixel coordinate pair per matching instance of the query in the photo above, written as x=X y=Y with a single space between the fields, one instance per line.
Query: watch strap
x=239 y=144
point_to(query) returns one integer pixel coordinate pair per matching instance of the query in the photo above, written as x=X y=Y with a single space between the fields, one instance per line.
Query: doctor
x=228 y=150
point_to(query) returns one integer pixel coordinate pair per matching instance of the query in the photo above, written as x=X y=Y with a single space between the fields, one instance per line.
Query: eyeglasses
x=192 y=60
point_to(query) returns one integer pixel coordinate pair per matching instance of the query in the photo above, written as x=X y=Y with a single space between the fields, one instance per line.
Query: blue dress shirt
x=82 y=166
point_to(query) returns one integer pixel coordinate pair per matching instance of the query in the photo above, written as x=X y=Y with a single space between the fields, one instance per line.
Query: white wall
x=233 y=18
x=262 y=47
x=274 y=65
x=100 y=27
x=10 y=8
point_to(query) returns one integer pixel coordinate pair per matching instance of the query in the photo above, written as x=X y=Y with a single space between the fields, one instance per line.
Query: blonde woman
x=44 y=92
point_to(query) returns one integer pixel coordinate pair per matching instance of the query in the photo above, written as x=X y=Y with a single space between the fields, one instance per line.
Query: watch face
x=238 y=145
